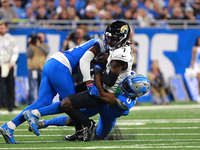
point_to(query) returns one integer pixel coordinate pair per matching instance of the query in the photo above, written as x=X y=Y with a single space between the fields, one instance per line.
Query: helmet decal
x=143 y=90
x=124 y=29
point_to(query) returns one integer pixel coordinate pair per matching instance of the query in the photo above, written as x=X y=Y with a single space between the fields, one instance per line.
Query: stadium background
x=171 y=47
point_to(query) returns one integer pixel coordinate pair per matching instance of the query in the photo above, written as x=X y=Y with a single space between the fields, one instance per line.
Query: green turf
x=167 y=128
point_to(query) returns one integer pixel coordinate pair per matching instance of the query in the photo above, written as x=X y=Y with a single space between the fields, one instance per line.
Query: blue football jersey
x=75 y=54
x=124 y=104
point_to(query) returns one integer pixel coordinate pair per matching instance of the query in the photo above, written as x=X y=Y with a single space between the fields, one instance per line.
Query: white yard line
x=113 y=134
x=154 y=128
x=156 y=140
x=134 y=108
x=153 y=146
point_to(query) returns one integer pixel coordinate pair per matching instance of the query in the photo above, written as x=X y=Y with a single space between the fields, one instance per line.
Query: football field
x=146 y=127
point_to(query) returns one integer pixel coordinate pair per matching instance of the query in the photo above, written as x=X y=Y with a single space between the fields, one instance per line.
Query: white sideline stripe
x=144 y=121
x=5 y=112
x=109 y=147
x=155 y=128
x=129 y=122
x=115 y=134
x=157 y=140
x=165 y=107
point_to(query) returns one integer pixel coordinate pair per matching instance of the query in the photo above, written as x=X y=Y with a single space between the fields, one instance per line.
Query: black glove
x=101 y=60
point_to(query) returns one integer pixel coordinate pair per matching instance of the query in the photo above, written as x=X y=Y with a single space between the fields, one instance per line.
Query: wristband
x=89 y=84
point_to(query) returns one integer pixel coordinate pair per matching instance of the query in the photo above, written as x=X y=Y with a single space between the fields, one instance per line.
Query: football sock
x=35 y=112
x=11 y=125
x=78 y=116
x=57 y=121
x=51 y=109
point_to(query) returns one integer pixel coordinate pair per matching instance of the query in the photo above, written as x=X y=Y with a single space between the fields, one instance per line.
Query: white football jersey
x=124 y=54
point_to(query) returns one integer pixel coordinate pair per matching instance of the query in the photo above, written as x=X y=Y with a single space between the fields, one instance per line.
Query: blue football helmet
x=134 y=86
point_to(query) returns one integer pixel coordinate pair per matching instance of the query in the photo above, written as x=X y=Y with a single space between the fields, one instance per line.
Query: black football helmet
x=117 y=34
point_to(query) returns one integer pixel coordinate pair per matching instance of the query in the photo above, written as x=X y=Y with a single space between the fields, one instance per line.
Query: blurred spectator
x=90 y=12
x=148 y=5
x=51 y=8
x=6 y=11
x=189 y=15
x=41 y=13
x=37 y=53
x=101 y=15
x=108 y=7
x=143 y=19
x=134 y=47
x=128 y=14
x=41 y=3
x=162 y=19
x=164 y=14
x=134 y=5
x=62 y=6
x=158 y=93
x=177 y=13
x=63 y=16
x=196 y=7
x=99 y=5
x=19 y=10
x=170 y=6
x=125 y=5
x=157 y=11
x=29 y=13
x=195 y=62
x=34 y=5
x=117 y=11
x=8 y=58
x=72 y=13
x=74 y=39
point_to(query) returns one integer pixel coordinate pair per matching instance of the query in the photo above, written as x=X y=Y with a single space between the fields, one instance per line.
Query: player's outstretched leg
x=7 y=133
x=32 y=120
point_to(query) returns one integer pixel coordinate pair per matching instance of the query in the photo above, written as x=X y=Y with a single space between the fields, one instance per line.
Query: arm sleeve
x=15 y=53
x=109 y=79
x=85 y=65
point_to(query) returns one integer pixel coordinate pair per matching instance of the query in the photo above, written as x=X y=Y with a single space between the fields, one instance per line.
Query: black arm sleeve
x=109 y=79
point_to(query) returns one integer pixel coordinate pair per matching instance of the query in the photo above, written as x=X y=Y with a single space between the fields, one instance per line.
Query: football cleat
x=40 y=125
x=76 y=136
x=32 y=120
x=88 y=132
x=7 y=134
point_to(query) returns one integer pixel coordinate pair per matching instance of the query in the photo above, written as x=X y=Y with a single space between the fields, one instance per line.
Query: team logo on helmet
x=124 y=29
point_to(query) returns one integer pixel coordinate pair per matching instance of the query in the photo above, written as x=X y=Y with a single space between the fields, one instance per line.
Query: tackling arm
x=110 y=78
x=107 y=97
x=85 y=63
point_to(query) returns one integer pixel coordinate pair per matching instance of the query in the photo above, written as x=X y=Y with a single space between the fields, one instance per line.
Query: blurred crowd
x=143 y=11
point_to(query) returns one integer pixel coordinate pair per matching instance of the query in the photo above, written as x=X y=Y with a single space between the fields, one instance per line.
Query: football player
x=116 y=36
x=123 y=100
x=118 y=67
x=57 y=78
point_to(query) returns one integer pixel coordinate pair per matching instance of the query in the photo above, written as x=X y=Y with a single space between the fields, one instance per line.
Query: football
x=101 y=59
